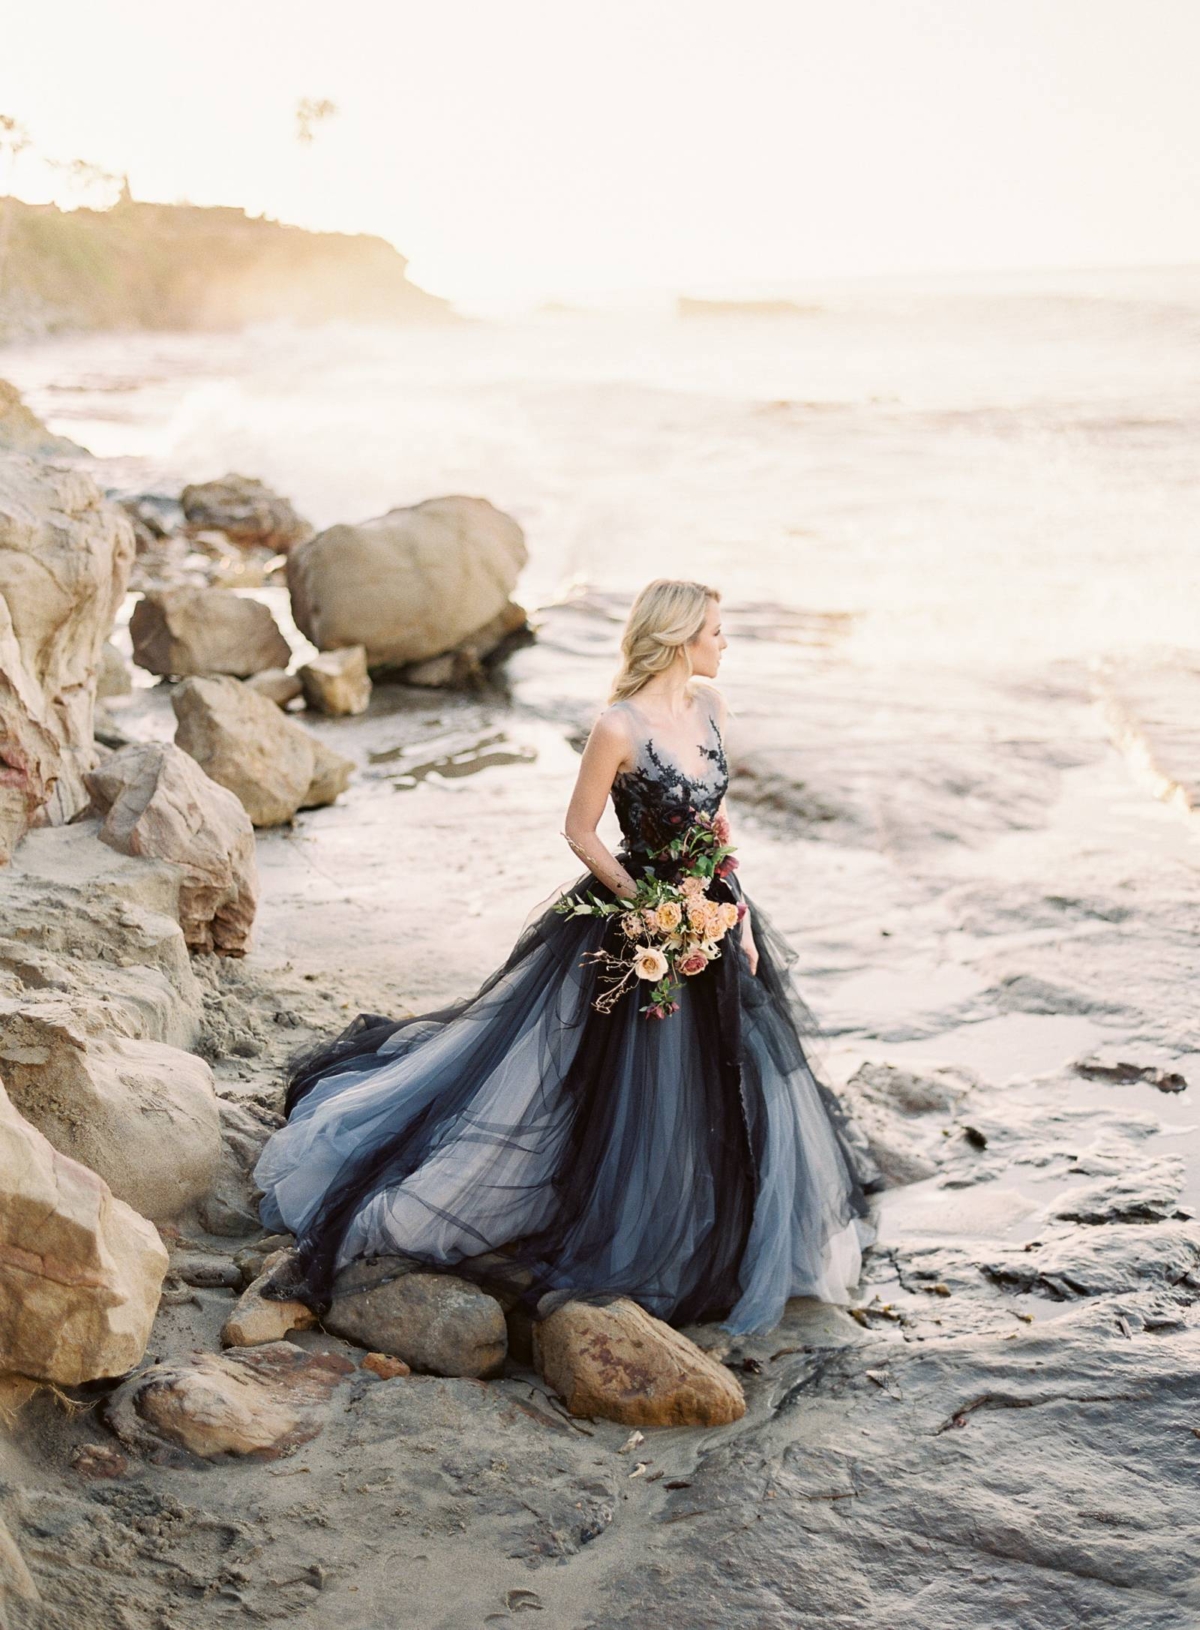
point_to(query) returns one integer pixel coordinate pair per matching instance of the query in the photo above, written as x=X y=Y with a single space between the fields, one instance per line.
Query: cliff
x=177 y=266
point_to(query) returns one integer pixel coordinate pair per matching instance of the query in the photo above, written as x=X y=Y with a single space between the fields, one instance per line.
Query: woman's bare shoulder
x=613 y=727
x=709 y=694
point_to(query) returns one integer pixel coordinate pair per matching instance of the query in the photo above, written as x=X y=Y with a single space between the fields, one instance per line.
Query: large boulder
x=99 y=930
x=245 y=743
x=65 y=557
x=80 y=1272
x=260 y=1401
x=189 y=630
x=337 y=682
x=433 y=1321
x=409 y=585
x=615 y=1360
x=158 y=802
x=140 y=1114
x=246 y=511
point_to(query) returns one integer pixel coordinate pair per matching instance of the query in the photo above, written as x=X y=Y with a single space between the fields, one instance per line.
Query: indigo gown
x=544 y=1149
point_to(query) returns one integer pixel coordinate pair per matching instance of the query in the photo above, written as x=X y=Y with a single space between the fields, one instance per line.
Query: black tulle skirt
x=544 y=1149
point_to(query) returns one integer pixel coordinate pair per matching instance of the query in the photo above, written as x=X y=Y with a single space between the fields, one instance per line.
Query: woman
x=559 y=1133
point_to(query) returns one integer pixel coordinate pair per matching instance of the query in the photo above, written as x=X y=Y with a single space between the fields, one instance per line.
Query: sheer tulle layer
x=544 y=1149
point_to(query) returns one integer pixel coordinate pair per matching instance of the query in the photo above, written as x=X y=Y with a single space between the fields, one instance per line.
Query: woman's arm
x=607 y=747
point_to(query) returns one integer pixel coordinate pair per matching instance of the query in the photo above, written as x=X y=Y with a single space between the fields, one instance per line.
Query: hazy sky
x=515 y=149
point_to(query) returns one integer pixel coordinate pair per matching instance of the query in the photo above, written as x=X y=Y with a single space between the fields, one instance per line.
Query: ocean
x=1003 y=470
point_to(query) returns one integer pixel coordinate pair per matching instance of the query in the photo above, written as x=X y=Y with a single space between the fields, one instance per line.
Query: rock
x=463 y=667
x=157 y=801
x=244 y=742
x=1149 y=1194
x=205 y=1270
x=194 y=630
x=21 y=431
x=229 y=1208
x=251 y=1259
x=114 y=678
x=142 y=1115
x=15 y=1579
x=384 y=1366
x=409 y=585
x=887 y=1103
x=65 y=557
x=1110 y=1066
x=80 y=1271
x=260 y=1401
x=246 y=511
x=99 y=1462
x=256 y=1319
x=434 y=1322
x=330 y=777
x=277 y=685
x=99 y=930
x=1088 y=1261
x=615 y=1360
x=337 y=682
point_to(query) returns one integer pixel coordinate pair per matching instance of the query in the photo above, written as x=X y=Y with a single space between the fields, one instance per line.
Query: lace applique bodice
x=658 y=796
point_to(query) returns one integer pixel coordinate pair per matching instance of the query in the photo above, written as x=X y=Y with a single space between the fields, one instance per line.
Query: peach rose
x=694 y=962
x=650 y=918
x=693 y=887
x=729 y=914
x=670 y=915
x=650 y=963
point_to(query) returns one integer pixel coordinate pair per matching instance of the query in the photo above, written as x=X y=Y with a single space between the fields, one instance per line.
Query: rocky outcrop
x=80 y=1271
x=186 y=630
x=65 y=557
x=246 y=744
x=21 y=431
x=184 y=266
x=260 y=1401
x=465 y=667
x=901 y=1112
x=337 y=682
x=615 y=1360
x=434 y=1322
x=142 y=1115
x=246 y=511
x=411 y=584
x=158 y=802
x=98 y=930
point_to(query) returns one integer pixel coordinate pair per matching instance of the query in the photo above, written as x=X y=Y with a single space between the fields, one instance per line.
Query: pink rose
x=721 y=829
x=693 y=963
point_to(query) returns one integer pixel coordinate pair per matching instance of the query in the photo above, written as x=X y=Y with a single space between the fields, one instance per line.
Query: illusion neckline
x=664 y=756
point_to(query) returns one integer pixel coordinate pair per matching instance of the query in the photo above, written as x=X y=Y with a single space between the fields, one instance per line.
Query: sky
x=520 y=150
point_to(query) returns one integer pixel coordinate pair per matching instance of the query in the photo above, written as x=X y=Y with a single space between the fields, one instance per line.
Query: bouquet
x=672 y=929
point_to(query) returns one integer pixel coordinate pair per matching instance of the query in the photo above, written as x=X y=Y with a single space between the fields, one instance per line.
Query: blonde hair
x=666 y=616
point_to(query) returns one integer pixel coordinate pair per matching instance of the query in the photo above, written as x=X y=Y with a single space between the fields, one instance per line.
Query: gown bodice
x=659 y=796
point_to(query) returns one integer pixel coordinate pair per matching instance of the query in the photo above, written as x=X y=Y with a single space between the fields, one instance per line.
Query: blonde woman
x=559 y=1134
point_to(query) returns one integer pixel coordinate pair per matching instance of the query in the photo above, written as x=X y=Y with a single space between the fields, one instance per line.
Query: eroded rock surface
x=246 y=511
x=434 y=1322
x=65 y=558
x=141 y=1114
x=337 y=682
x=246 y=744
x=158 y=802
x=617 y=1361
x=409 y=585
x=187 y=630
x=80 y=1271
x=259 y=1401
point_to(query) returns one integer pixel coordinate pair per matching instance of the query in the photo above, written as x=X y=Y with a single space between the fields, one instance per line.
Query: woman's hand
x=748 y=944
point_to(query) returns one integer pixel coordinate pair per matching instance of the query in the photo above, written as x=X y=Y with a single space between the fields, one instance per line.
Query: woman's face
x=707 y=646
